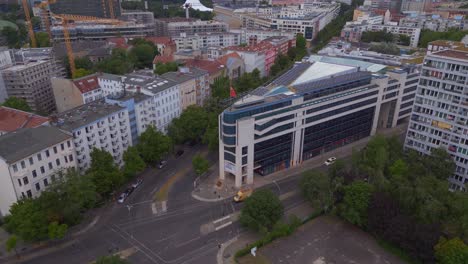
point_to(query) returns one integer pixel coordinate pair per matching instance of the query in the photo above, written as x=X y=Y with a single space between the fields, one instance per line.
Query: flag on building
x=232 y=92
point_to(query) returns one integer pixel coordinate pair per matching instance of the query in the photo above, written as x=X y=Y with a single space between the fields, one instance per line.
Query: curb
x=220 y=254
x=208 y=200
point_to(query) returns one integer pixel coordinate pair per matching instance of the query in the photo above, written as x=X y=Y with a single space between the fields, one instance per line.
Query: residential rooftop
x=145 y=79
x=13 y=119
x=87 y=83
x=456 y=54
x=137 y=97
x=109 y=76
x=25 y=142
x=84 y=114
x=184 y=74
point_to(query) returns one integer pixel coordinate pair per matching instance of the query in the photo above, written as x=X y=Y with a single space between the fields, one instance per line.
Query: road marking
x=187 y=242
x=223 y=226
x=221 y=219
x=153 y=208
x=277 y=185
x=164 y=206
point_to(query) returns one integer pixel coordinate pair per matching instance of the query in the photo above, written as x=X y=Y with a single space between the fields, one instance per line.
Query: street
x=187 y=231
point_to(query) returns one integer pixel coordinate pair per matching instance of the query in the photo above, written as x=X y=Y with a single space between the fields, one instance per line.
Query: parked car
x=137 y=183
x=122 y=197
x=179 y=153
x=330 y=161
x=162 y=164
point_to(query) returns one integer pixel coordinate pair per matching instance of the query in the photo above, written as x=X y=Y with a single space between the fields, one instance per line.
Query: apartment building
x=204 y=40
x=353 y=31
x=165 y=93
x=439 y=116
x=253 y=36
x=141 y=111
x=194 y=86
x=14 y=119
x=29 y=161
x=96 y=125
x=72 y=93
x=31 y=82
x=111 y=84
x=313 y=108
x=173 y=27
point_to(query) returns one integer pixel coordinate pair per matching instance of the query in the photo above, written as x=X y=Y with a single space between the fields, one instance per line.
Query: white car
x=162 y=164
x=137 y=183
x=122 y=198
x=330 y=161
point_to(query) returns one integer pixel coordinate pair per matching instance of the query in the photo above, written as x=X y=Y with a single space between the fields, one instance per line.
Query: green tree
x=119 y=63
x=453 y=251
x=404 y=40
x=134 y=164
x=36 y=22
x=200 y=164
x=440 y=164
x=261 y=211
x=11 y=244
x=385 y=48
x=17 y=103
x=220 y=88
x=27 y=220
x=57 y=231
x=191 y=125
x=84 y=63
x=81 y=73
x=355 y=203
x=153 y=145
x=162 y=68
x=42 y=39
x=143 y=55
x=103 y=171
x=318 y=189
x=111 y=260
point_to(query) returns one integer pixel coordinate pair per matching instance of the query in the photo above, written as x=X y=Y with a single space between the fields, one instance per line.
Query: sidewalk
x=211 y=189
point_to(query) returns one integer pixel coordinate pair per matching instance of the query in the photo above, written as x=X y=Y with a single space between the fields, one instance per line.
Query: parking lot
x=325 y=240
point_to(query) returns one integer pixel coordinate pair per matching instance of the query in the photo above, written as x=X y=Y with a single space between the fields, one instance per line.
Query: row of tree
x=70 y=194
x=429 y=35
x=400 y=197
x=121 y=61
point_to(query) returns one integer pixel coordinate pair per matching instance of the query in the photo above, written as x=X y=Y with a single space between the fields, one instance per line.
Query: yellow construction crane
x=45 y=16
x=29 y=23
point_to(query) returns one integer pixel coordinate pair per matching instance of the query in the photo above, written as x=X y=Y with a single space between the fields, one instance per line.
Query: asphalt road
x=185 y=233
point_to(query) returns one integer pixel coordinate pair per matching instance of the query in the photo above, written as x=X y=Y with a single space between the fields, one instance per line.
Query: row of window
x=42 y=170
x=31 y=160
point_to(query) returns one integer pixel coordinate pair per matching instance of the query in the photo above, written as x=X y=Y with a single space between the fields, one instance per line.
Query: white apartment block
x=29 y=161
x=440 y=114
x=111 y=84
x=260 y=34
x=97 y=125
x=252 y=59
x=199 y=41
x=411 y=32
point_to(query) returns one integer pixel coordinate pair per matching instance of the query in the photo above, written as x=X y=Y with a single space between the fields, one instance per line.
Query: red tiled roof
x=262 y=46
x=119 y=42
x=160 y=40
x=12 y=119
x=163 y=59
x=87 y=83
x=223 y=59
x=211 y=67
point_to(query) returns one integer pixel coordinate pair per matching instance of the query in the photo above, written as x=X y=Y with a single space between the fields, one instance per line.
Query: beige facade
x=66 y=96
x=188 y=94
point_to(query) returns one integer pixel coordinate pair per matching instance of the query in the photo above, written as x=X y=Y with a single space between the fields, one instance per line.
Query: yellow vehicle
x=242 y=195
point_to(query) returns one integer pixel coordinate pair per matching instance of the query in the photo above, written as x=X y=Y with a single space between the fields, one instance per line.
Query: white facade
x=31 y=174
x=252 y=60
x=110 y=84
x=199 y=41
x=167 y=107
x=93 y=95
x=260 y=34
x=97 y=125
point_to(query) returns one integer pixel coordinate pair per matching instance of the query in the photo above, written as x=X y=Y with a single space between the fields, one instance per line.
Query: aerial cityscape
x=233 y=131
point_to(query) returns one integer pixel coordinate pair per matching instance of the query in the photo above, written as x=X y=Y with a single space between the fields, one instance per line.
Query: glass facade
x=335 y=133
x=273 y=154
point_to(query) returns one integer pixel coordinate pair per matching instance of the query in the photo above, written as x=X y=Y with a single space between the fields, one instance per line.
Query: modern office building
x=96 y=125
x=440 y=113
x=92 y=8
x=29 y=161
x=313 y=108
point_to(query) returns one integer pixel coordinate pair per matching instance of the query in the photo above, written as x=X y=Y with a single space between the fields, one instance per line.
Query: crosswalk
x=159 y=207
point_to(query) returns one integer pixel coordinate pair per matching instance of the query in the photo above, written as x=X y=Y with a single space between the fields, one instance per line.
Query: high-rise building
x=95 y=8
x=440 y=113
x=315 y=107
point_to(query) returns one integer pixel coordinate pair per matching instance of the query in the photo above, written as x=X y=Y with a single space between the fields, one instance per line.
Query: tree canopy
x=262 y=210
x=17 y=103
x=153 y=145
x=190 y=126
x=133 y=162
x=114 y=259
x=200 y=164
x=162 y=68
x=103 y=171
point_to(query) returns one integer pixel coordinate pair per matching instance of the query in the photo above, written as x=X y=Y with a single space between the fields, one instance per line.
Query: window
x=19 y=182
x=39 y=157
x=15 y=168
x=58 y=162
x=68 y=143
x=25 y=180
x=42 y=169
x=29 y=193
x=244 y=150
x=47 y=153
x=46 y=182
x=23 y=164
x=31 y=161
x=50 y=166
x=34 y=174
x=62 y=146
x=70 y=157
x=66 y=159
x=55 y=150
x=38 y=187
